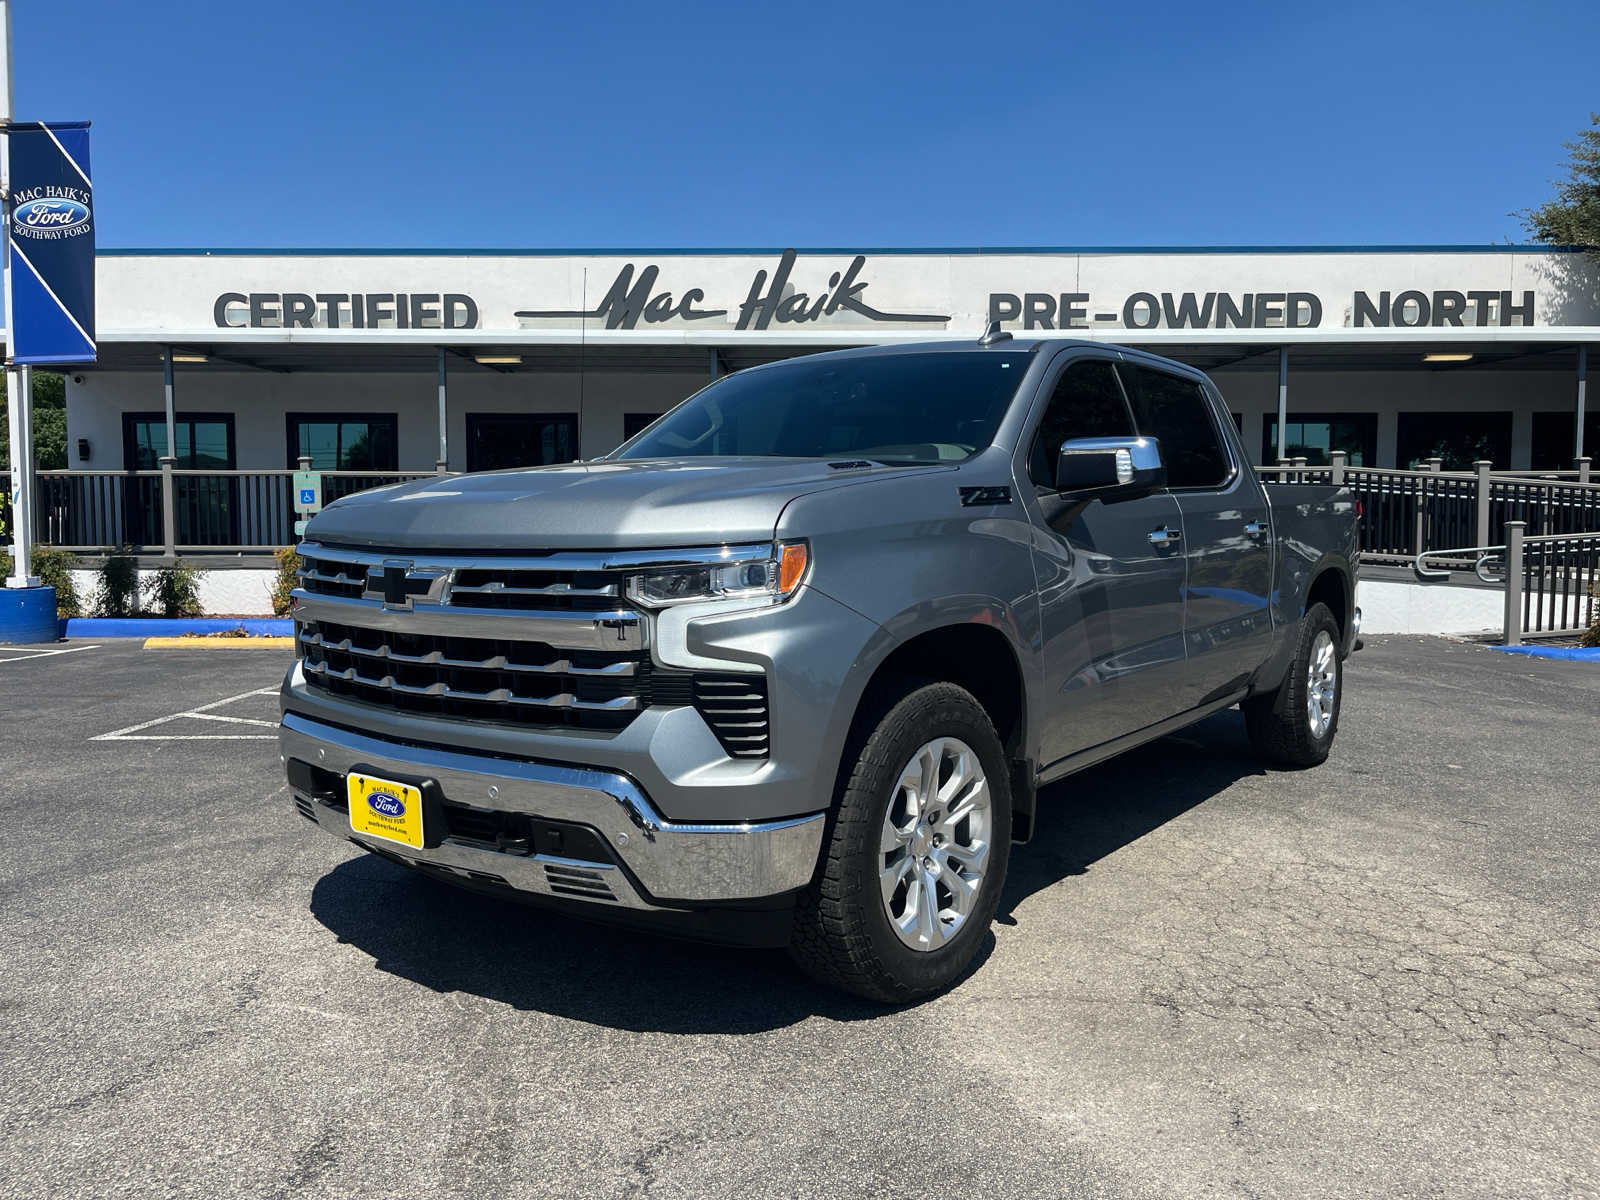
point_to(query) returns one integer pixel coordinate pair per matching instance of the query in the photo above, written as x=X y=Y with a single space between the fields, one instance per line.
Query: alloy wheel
x=1322 y=684
x=935 y=843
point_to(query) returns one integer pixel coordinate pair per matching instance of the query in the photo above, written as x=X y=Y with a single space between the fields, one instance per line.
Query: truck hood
x=642 y=503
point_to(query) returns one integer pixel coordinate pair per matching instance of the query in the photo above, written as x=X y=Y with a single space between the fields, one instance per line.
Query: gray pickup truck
x=791 y=666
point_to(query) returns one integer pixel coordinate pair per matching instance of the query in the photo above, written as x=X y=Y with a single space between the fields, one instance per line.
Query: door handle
x=1162 y=538
x=1255 y=529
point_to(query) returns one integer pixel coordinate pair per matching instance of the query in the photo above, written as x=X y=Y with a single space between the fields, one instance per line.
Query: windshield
x=897 y=408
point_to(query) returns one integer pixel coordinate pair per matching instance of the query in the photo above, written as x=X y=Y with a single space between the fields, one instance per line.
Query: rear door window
x=1174 y=411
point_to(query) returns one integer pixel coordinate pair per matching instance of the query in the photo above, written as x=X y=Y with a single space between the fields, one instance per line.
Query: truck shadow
x=449 y=940
x=1096 y=812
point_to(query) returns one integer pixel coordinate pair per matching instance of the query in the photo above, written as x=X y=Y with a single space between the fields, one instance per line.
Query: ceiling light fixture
x=188 y=356
x=497 y=360
x=1447 y=358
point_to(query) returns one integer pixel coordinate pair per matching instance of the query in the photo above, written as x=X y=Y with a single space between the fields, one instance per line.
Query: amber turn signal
x=792 y=559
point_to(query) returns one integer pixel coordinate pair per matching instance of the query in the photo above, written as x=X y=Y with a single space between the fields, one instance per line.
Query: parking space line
x=205 y=716
x=11 y=654
x=135 y=733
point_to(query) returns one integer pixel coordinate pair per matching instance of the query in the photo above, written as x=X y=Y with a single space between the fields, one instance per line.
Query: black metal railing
x=1403 y=513
x=1406 y=513
x=230 y=511
x=1555 y=578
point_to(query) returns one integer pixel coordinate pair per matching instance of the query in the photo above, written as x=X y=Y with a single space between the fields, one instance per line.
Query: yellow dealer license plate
x=386 y=809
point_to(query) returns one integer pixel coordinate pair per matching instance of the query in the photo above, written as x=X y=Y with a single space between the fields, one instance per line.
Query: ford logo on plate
x=48 y=213
x=386 y=804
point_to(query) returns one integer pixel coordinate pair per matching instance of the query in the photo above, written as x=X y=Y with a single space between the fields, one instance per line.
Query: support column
x=1583 y=387
x=169 y=512
x=716 y=364
x=1283 y=400
x=169 y=392
x=1485 y=489
x=30 y=464
x=442 y=463
x=169 y=461
x=1513 y=614
x=19 y=404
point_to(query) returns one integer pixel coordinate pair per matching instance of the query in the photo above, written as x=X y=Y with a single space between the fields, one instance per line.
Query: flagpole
x=18 y=403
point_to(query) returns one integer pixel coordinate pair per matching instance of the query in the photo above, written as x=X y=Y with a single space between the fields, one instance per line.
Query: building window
x=204 y=441
x=1314 y=437
x=1459 y=438
x=1553 y=437
x=499 y=441
x=345 y=441
x=634 y=424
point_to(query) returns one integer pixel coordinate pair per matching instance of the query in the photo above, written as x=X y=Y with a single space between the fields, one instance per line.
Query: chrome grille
x=499 y=588
x=532 y=639
x=526 y=682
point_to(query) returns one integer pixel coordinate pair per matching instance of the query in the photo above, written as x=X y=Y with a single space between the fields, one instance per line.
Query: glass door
x=206 y=507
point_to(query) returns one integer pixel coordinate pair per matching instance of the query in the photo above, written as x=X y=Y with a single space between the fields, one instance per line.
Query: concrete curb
x=1570 y=653
x=219 y=643
x=145 y=627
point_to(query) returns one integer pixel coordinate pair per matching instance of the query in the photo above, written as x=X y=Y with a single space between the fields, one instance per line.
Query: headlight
x=770 y=578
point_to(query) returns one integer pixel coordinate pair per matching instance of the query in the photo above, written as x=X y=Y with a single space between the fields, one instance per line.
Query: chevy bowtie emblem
x=400 y=583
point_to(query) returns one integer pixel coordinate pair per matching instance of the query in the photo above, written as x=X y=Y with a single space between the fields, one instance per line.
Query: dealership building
x=405 y=360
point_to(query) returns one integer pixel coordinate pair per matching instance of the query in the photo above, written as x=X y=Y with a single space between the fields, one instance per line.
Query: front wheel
x=1294 y=725
x=913 y=870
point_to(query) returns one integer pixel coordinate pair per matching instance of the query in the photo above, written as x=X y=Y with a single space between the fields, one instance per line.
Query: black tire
x=842 y=933
x=1278 y=722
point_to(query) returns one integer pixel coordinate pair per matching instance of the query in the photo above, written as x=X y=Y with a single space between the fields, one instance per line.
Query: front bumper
x=657 y=863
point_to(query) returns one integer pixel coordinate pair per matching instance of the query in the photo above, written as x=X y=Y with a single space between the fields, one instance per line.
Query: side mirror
x=1110 y=468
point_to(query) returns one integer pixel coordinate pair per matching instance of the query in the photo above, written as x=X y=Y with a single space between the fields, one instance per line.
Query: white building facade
x=406 y=360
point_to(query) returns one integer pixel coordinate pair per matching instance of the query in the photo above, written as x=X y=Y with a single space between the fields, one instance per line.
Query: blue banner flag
x=52 y=244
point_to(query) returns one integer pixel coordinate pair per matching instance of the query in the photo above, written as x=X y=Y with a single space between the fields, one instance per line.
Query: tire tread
x=830 y=941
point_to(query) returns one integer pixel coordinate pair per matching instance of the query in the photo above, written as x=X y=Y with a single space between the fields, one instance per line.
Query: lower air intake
x=577 y=881
x=735 y=706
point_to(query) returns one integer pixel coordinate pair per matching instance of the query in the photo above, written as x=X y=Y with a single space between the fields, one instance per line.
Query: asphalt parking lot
x=1379 y=978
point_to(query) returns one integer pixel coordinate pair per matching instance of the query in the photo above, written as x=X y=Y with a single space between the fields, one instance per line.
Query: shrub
x=116 y=593
x=54 y=568
x=175 y=591
x=1591 y=636
x=288 y=563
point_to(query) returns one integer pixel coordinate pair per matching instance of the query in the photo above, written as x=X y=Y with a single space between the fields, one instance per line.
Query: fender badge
x=972 y=497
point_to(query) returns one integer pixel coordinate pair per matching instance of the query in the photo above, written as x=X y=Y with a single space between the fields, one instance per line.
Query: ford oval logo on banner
x=52 y=243
x=51 y=214
x=386 y=804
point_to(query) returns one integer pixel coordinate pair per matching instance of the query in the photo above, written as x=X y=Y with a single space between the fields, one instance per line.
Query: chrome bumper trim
x=538 y=874
x=678 y=862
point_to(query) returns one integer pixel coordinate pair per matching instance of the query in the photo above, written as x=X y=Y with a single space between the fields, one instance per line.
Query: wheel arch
x=1332 y=585
x=975 y=655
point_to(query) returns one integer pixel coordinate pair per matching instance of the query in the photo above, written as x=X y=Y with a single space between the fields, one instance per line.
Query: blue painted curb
x=140 y=627
x=1570 y=653
x=27 y=615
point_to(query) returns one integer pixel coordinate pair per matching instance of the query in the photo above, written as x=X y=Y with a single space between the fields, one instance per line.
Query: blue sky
x=495 y=124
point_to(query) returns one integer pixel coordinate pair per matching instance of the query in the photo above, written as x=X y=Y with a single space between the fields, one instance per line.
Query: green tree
x=1573 y=217
x=49 y=423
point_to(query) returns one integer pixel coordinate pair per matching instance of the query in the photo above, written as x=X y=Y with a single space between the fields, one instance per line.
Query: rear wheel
x=1294 y=726
x=913 y=870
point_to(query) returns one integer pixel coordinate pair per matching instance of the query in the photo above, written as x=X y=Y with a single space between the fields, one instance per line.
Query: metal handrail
x=1484 y=555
